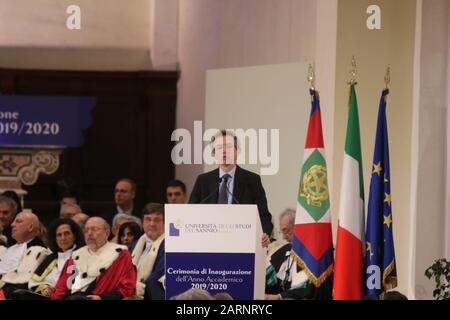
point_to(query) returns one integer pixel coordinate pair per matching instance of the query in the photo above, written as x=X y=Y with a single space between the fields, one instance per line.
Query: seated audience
x=129 y=233
x=176 y=192
x=19 y=261
x=148 y=254
x=99 y=270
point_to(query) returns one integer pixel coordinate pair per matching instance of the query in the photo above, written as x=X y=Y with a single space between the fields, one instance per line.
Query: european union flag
x=380 y=267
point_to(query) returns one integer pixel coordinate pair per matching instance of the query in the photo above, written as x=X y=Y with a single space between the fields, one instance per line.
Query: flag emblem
x=313 y=188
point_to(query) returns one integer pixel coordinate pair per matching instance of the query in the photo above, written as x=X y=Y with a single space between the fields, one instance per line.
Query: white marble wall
x=430 y=179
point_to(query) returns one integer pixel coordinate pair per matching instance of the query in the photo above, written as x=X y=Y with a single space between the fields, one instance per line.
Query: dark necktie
x=223 y=193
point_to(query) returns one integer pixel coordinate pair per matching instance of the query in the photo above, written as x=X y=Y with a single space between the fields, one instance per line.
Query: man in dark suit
x=124 y=194
x=230 y=184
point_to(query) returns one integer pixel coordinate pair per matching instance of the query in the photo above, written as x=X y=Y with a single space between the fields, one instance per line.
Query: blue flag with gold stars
x=380 y=266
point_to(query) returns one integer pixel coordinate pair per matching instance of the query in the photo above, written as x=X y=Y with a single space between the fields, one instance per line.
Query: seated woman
x=129 y=233
x=120 y=219
x=63 y=236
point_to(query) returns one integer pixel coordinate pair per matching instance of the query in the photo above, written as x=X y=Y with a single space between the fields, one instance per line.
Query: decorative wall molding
x=26 y=164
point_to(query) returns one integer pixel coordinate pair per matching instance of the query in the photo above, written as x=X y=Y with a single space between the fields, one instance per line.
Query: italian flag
x=350 y=236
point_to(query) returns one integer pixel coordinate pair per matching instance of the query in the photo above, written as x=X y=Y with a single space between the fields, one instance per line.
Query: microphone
x=212 y=193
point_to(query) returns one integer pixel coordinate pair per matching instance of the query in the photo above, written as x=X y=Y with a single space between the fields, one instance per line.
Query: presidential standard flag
x=350 y=236
x=381 y=273
x=312 y=243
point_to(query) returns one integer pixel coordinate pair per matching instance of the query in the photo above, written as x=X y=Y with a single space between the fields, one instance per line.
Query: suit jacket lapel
x=238 y=185
x=213 y=182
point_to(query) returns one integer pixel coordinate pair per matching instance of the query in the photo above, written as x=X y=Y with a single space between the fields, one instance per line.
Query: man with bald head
x=20 y=260
x=99 y=270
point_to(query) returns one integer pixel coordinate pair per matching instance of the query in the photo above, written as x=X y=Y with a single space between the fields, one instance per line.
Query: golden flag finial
x=387 y=76
x=311 y=76
x=353 y=71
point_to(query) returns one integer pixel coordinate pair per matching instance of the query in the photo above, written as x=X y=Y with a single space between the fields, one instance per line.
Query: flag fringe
x=316 y=281
x=389 y=282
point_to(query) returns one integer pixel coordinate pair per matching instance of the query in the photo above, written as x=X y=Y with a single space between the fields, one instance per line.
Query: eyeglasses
x=93 y=229
x=285 y=231
x=228 y=146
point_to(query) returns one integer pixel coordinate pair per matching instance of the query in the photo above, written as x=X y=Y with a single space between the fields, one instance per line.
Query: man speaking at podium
x=230 y=184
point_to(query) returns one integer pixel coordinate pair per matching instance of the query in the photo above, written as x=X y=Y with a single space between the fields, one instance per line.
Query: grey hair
x=290 y=213
x=11 y=202
x=68 y=205
x=194 y=294
x=127 y=218
x=105 y=223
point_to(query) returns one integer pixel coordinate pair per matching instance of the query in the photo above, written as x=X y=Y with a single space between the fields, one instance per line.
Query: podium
x=216 y=248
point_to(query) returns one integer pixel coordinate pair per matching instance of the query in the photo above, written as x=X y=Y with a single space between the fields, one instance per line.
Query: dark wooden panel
x=130 y=136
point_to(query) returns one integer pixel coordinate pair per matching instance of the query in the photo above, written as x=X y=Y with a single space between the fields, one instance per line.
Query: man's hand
x=265 y=241
x=47 y=291
x=94 y=297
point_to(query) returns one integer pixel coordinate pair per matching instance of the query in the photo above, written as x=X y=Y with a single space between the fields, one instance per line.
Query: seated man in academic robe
x=99 y=270
x=148 y=254
x=19 y=261
x=285 y=279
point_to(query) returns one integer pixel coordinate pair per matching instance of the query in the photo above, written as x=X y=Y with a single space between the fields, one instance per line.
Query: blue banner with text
x=44 y=120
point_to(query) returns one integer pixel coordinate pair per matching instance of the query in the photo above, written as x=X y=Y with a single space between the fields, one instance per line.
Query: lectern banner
x=216 y=248
x=215 y=272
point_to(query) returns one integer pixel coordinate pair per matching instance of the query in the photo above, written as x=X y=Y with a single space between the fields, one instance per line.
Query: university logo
x=174 y=228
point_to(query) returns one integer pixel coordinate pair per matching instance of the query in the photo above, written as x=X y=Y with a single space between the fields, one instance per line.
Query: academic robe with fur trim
x=150 y=270
x=116 y=281
x=299 y=287
x=34 y=255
